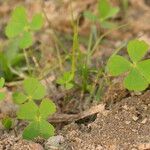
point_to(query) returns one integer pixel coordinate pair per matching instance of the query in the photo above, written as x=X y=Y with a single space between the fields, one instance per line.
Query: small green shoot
x=66 y=80
x=138 y=71
x=2 y=82
x=105 y=12
x=7 y=123
x=19 y=27
x=30 y=111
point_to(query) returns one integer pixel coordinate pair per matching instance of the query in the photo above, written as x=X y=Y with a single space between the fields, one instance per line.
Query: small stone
x=127 y=122
x=99 y=147
x=134 y=130
x=144 y=121
x=135 y=118
x=125 y=107
x=54 y=141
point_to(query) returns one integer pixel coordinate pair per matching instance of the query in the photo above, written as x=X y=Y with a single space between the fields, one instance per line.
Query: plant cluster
x=34 y=107
x=36 y=115
x=20 y=28
x=78 y=75
x=20 y=34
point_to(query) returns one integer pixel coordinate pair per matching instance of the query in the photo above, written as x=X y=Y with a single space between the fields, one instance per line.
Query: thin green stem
x=103 y=36
x=89 y=48
x=27 y=61
x=59 y=58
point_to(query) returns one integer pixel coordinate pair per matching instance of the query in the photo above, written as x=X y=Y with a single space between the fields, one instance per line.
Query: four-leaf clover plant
x=137 y=70
x=36 y=115
x=21 y=29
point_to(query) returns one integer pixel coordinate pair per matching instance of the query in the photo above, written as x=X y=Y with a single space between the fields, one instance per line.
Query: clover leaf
x=138 y=70
x=19 y=27
x=2 y=82
x=33 y=90
x=37 y=115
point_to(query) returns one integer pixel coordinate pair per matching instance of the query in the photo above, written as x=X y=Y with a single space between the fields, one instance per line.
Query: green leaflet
x=34 y=89
x=25 y=40
x=38 y=128
x=19 y=98
x=135 y=81
x=37 y=22
x=137 y=49
x=118 y=65
x=17 y=22
x=144 y=67
x=106 y=11
x=28 y=111
x=46 y=108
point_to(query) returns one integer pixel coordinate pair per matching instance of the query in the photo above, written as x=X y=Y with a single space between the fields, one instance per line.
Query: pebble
x=144 y=121
x=135 y=118
x=127 y=122
x=54 y=142
x=125 y=107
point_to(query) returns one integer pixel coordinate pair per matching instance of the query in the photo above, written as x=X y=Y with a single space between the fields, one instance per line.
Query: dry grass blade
x=58 y=118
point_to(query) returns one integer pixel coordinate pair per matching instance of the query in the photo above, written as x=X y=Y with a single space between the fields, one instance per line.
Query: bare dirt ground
x=124 y=127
